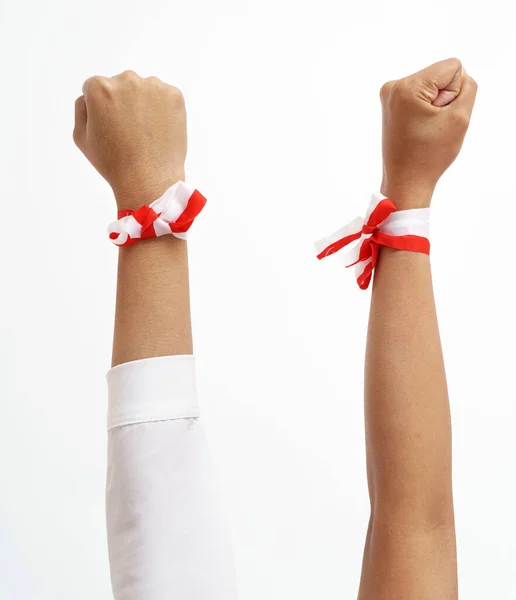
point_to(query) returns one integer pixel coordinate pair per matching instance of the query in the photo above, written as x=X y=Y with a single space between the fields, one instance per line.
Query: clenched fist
x=425 y=119
x=133 y=131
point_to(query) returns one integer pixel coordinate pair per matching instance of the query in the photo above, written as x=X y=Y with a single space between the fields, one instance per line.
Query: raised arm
x=166 y=537
x=410 y=549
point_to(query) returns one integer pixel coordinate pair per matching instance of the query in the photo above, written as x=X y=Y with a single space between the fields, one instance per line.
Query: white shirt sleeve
x=166 y=537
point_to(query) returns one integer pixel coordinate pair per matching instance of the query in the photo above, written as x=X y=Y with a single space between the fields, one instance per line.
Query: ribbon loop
x=173 y=213
x=383 y=226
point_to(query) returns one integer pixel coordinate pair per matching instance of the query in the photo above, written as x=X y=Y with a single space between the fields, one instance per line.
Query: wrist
x=133 y=195
x=407 y=196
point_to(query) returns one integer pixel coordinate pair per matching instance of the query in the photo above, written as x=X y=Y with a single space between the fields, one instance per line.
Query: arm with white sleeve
x=167 y=538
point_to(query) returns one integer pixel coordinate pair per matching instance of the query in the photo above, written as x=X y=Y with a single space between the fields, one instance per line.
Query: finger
x=441 y=82
x=468 y=93
x=81 y=117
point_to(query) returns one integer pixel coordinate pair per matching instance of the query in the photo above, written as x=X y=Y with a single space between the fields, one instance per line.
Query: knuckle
x=462 y=118
x=455 y=62
x=130 y=77
x=177 y=95
x=403 y=89
x=76 y=137
x=385 y=90
x=92 y=82
x=96 y=85
x=473 y=82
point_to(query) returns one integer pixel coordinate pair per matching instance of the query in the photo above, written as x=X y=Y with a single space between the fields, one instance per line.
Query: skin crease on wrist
x=145 y=192
x=407 y=196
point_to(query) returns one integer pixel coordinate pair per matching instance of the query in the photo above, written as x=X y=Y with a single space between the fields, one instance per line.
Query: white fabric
x=131 y=226
x=361 y=267
x=349 y=229
x=408 y=222
x=125 y=227
x=167 y=539
x=171 y=205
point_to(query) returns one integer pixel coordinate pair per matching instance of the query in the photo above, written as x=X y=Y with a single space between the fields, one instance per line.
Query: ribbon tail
x=352 y=257
x=339 y=239
x=364 y=272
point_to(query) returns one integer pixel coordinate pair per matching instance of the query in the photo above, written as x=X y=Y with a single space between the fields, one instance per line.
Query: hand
x=133 y=131
x=425 y=119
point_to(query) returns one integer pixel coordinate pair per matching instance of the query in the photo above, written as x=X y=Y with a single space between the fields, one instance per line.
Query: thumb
x=441 y=82
x=81 y=117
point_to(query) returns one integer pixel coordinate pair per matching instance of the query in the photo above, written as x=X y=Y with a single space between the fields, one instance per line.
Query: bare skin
x=133 y=131
x=410 y=550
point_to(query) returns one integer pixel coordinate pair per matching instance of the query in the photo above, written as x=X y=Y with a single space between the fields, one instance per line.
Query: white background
x=285 y=142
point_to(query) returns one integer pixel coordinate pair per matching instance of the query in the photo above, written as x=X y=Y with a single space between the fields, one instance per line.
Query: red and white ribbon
x=173 y=213
x=382 y=226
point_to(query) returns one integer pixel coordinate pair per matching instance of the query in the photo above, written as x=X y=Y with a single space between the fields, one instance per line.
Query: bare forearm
x=406 y=399
x=153 y=302
x=410 y=547
x=133 y=131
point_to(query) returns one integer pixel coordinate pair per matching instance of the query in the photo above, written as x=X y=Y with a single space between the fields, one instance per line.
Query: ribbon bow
x=173 y=213
x=383 y=226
